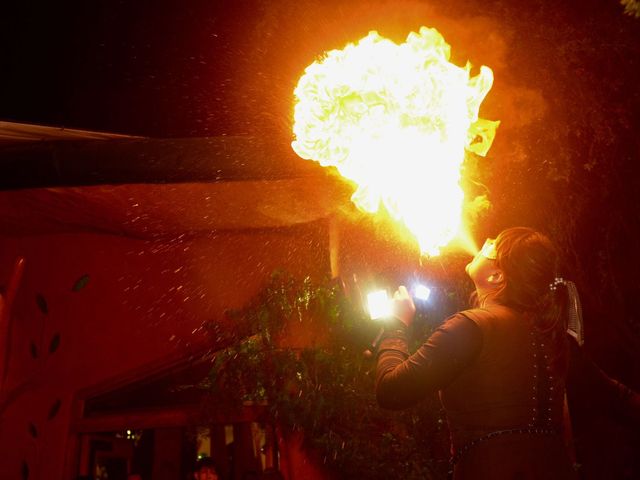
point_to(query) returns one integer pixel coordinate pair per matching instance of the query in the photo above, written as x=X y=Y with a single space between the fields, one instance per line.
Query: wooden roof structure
x=57 y=180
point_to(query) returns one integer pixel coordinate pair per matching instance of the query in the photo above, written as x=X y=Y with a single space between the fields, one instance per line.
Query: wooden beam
x=6 y=302
x=118 y=161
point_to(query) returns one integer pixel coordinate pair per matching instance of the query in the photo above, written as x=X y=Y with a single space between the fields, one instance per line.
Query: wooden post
x=217 y=434
x=167 y=453
x=334 y=246
x=6 y=303
x=244 y=458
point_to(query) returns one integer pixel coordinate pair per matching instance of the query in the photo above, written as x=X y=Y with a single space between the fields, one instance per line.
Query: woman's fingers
x=403 y=307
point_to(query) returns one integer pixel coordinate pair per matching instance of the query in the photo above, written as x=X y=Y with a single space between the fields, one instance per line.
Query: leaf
x=81 y=283
x=42 y=303
x=33 y=431
x=55 y=408
x=55 y=343
x=25 y=470
x=34 y=349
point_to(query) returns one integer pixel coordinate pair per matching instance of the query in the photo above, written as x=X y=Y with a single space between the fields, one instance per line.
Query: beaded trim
x=542 y=384
x=510 y=431
x=553 y=286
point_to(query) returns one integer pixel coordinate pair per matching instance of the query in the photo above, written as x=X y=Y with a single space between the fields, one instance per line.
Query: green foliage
x=327 y=392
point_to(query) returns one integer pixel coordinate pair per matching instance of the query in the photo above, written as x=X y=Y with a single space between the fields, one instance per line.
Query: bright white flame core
x=422 y=292
x=396 y=120
x=379 y=305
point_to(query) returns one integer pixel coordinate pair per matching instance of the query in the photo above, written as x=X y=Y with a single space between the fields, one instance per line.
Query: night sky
x=154 y=68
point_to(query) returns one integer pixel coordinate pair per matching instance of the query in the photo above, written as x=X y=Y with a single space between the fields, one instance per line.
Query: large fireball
x=396 y=120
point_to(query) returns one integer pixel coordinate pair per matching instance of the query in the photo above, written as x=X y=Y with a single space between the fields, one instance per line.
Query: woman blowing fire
x=500 y=368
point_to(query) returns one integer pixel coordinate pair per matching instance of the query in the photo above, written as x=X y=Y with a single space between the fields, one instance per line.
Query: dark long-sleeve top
x=403 y=379
x=492 y=368
x=494 y=372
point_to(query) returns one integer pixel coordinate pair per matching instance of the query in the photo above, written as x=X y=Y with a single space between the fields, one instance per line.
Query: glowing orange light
x=396 y=120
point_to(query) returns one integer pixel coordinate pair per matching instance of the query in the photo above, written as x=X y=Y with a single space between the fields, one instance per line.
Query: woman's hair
x=529 y=262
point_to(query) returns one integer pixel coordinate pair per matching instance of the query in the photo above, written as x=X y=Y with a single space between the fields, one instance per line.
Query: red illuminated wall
x=143 y=301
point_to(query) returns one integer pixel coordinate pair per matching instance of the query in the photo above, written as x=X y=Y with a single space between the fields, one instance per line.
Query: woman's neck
x=486 y=297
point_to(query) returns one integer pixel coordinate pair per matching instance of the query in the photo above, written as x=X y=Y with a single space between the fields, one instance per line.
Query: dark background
x=566 y=157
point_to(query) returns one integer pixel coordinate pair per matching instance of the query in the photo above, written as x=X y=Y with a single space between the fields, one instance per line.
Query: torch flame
x=396 y=120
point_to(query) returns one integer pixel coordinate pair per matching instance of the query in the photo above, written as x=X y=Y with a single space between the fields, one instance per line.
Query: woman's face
x=483 y=269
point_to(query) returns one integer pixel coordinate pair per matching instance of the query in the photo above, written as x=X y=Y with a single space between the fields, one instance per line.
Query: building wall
x=142 y=301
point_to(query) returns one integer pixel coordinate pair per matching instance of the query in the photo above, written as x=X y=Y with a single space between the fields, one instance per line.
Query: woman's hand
x=403 y=308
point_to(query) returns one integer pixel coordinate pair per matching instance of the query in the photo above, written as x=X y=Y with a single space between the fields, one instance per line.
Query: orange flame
x=396 y=120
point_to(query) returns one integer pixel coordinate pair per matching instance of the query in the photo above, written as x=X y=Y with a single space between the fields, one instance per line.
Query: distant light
x=379 y=305
x=128 y=432
x=421 y=292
